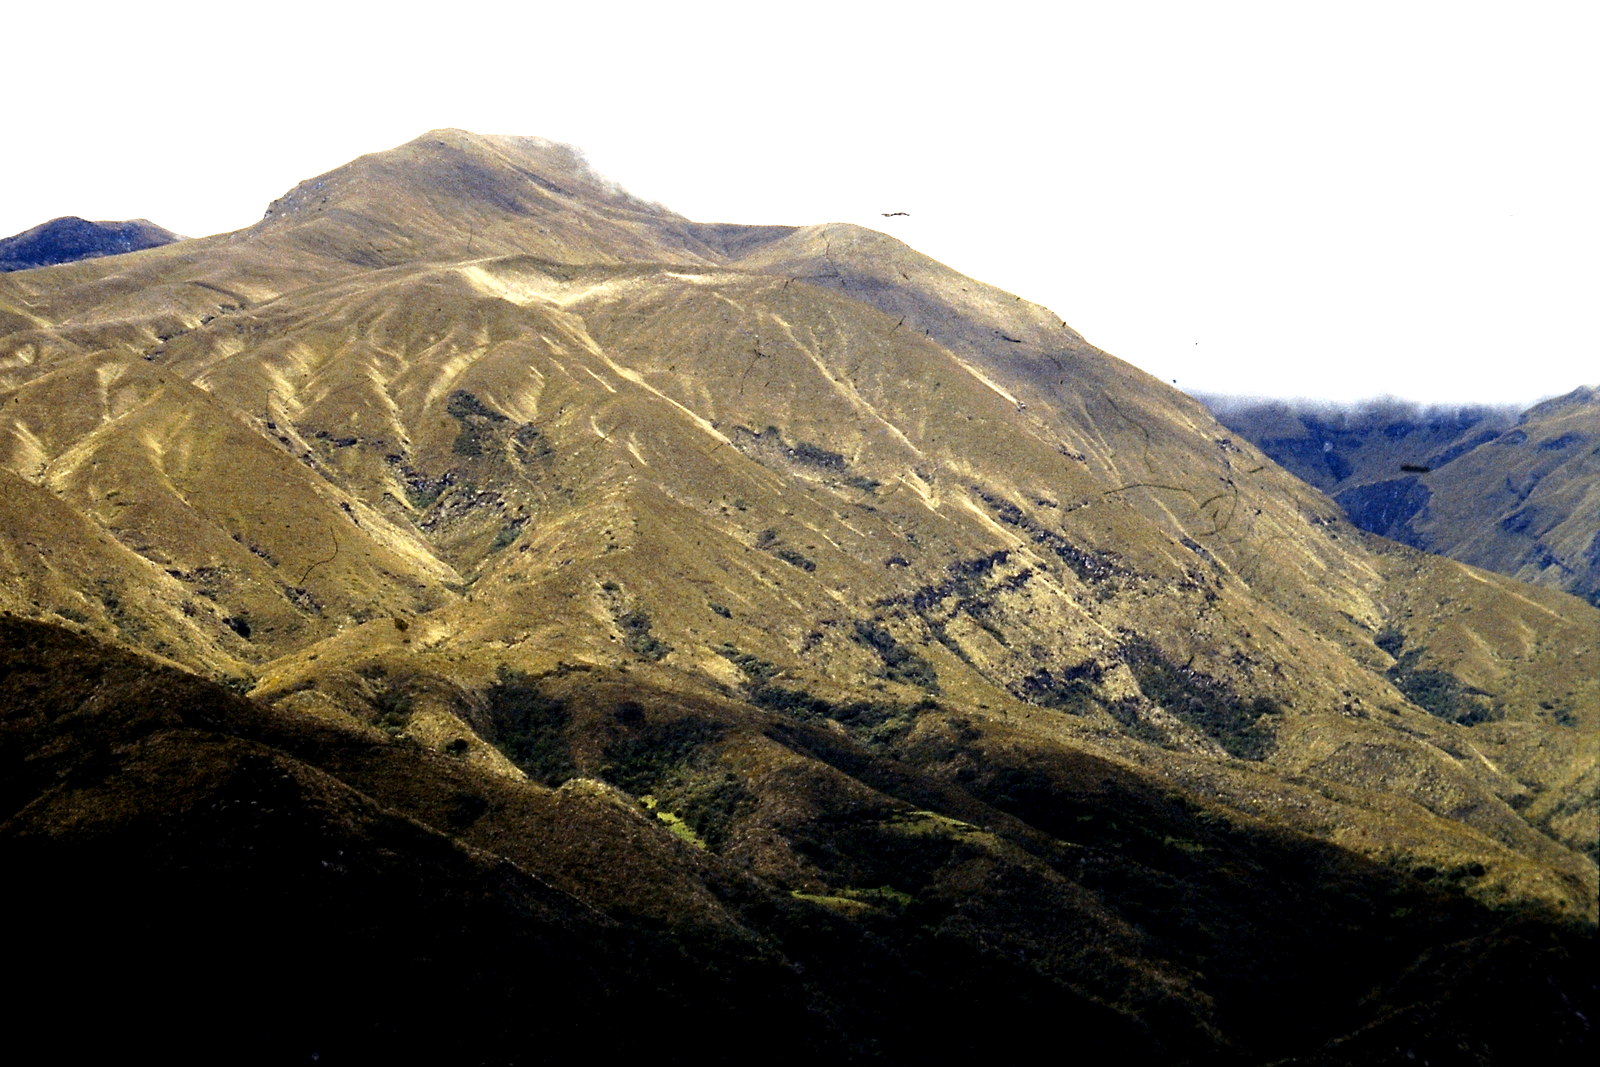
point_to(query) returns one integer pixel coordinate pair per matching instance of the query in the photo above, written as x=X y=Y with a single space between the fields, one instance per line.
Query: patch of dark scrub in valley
x=1438 y=692
x=1241 y=725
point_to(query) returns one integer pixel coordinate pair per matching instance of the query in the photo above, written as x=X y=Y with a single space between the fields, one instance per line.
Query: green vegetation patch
x=673 y=822
x=421 y=490
x=767 y=540
x=531 y=444
x=1443 y=695
x=1090 y=566
x=673 y=763
x=709 y=805
x=1439 y=693
x=900 y=664
x=856 y=901
x=1072 y=689
x=877 y=724
x=530 y=728
x=794 y=559
x=842 y=904
x=901 y=852
x=1241 y=725
x=635 y=627
x=816 y=456
x=477 y=422
x=655 y=751
x=463 y=405
x=394 y=706
x=508 y=533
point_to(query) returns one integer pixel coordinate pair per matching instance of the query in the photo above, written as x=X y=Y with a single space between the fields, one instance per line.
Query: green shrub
x=673 y=763
x=394 y=707
x=530 y=728
x=1439 y=693
x=709 y=804
x=1239 y=724
x=463 y=405
x=794 y=559
x=640 y=761
x=635 y=627
x=508 y=534
x=900 y=664
x=817 y=456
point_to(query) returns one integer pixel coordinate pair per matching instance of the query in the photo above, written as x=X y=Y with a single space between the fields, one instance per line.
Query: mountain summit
x=776 y=596
x=70 y=238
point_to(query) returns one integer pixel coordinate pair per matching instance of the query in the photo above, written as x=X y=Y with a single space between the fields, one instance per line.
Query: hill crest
x=69 y=239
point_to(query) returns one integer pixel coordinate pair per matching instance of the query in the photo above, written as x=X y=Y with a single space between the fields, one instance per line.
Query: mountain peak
x=70 y=238
x=488 y=173
x=460 y=194
x=1584 y=396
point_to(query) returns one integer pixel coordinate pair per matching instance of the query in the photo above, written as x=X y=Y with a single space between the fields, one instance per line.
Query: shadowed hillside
x=299 y=877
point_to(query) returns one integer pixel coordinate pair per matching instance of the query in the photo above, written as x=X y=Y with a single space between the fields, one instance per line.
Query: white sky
x=1332 y=200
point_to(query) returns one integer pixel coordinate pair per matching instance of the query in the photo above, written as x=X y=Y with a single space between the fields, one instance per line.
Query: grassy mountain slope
x=844 y=573
x=1518 y=494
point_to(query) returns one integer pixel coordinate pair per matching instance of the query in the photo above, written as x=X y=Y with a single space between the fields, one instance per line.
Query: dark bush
x=643 y=759
x=1239 y=724
x=1439 y=693
x=817 y=456
x=900 y=664
x=795 y=559
x=463 y=405
x=635 y=627
x=530 y=728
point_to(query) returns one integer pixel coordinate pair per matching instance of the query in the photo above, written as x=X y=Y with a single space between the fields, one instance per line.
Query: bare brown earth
x=790 y=557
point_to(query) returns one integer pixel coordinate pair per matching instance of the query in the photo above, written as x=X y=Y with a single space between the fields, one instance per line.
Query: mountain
x=1513 y=493
x=70 y=238
x=784 y=598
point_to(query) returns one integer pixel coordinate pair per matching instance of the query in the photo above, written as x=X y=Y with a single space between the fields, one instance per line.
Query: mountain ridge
x=69 y=238
x=1430 y=478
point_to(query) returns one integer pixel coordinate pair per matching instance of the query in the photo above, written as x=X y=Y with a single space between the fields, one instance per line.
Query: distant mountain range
x=1517 y=493
x=68 y=239
x=472 y=607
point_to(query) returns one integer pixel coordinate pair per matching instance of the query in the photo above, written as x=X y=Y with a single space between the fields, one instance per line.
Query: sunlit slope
x=444 y=197
x=223 y=508
x=468 y=414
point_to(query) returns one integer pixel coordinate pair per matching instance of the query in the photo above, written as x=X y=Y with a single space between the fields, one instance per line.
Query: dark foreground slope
x=194 y=871
x=68 y=239
x=1514 y=493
